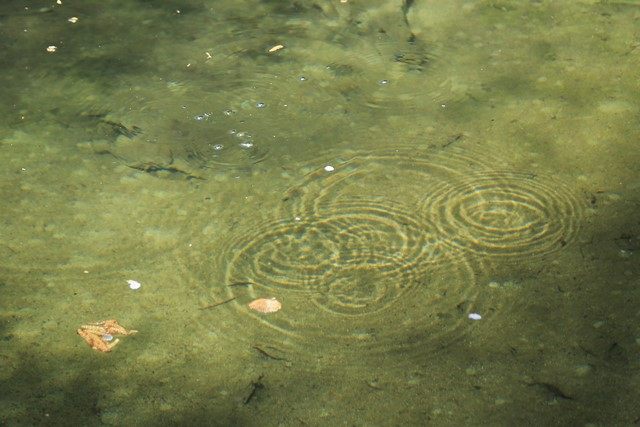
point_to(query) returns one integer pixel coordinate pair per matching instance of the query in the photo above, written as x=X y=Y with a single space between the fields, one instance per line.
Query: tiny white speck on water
x=134 y=284
x=297 y=218
x=329 y=168
x=474 y=316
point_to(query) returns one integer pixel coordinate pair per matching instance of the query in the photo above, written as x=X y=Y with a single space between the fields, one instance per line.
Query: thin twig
x=241 y=284
x=217 y=303
x=267 y=354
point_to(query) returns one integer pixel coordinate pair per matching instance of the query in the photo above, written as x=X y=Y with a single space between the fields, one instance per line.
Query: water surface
x=443 y=196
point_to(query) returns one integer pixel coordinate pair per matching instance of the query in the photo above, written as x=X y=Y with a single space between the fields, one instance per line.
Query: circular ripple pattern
x=351 y=262
x=401 y=176
x=375 y=259
x=505 y=214
x=420 y=311
x=230 y=148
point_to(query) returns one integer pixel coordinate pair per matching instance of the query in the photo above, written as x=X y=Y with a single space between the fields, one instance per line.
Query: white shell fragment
x=276 y=48
x=474 y=316
x=134 y=284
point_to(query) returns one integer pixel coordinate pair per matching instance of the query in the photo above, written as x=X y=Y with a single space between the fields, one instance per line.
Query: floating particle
x=276 y=48
x=51 y=48
x=134 y=284
x=474 y=316
x=329 y=168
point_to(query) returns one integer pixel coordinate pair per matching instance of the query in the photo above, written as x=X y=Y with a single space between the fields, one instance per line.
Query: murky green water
x=442 y=195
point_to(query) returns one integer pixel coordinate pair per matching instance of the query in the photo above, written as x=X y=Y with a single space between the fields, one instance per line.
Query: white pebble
x=474 y=316
x=134 y=284
x=329 y=168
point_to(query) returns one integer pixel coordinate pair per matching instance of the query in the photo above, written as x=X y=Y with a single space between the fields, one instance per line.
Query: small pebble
x=583 y=370
x=329 y=168
x=134 y=284
x=474 y=316
x=598 y=324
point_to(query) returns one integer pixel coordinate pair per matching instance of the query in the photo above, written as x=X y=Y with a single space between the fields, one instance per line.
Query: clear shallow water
x=482 y=161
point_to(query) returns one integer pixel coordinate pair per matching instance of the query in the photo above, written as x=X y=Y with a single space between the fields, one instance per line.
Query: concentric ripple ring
x=353 y=261
x=363 y=313
x=401 y=175
x=505 y=214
